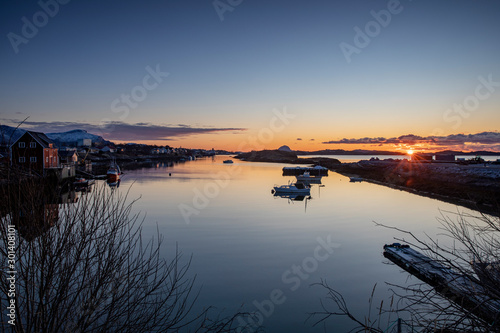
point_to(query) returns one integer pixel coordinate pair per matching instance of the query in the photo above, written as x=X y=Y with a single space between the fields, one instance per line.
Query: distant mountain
x=472 y=153
x=71 y=138
x=284 y=148
x=10 y=134
x=349 y=152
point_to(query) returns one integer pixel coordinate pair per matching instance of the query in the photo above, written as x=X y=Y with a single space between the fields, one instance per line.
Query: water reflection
x=32 y=206
x=242 y=235
x=292 y=197
x=113 y=183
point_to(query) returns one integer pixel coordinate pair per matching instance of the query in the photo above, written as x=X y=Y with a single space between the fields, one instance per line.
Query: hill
x=10 y=134
x=71 y=138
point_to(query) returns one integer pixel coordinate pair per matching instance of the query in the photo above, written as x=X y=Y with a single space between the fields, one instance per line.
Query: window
x=46 y=160
x=32 y=144
x=33 y=159
x=22 y=159
x=22 y=145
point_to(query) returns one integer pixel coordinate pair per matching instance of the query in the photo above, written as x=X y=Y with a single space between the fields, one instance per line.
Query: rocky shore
x=475 y=186
x=278 y=156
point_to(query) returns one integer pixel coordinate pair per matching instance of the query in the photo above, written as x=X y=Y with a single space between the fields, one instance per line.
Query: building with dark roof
x=34 y=152
x=68 y=156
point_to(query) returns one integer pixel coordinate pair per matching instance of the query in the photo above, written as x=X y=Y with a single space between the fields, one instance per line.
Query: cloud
x=124 y=131
x=484 y=138
x=299 y=139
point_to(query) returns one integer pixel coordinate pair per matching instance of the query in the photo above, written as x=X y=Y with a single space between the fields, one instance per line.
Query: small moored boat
x=228 y=161
x=355 y=179
x=294 y=188
x=114 y=172
x=82 y=182
x=306 y=177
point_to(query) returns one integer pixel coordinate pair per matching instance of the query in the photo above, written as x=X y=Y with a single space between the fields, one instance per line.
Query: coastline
x=475 y=192
x=475 y=186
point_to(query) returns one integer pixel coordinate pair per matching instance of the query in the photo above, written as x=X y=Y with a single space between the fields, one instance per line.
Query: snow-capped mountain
x=70 y=138
x=9 y=134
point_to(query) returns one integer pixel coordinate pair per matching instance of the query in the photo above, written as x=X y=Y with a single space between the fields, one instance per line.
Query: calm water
x=247 y=244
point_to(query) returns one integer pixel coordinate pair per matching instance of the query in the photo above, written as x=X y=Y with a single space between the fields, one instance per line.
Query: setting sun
x=409 y=152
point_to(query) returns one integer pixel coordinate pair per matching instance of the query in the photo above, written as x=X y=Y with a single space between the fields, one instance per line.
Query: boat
x=114 y=172
x=306 y=177
x=82 y=182
x=228 y=161
x=294 y=188
x=355 y=179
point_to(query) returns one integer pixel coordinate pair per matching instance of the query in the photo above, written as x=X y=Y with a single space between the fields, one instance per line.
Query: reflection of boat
x=306 y=177
x=112 y=183
x=228 y=161
x=114 y=172
x=294 y=188
x=293 y=196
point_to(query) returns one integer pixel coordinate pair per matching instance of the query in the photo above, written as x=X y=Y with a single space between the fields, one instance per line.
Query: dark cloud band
x=126 y=132
x=485 y=138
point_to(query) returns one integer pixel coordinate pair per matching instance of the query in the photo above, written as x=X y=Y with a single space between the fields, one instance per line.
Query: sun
x=409 y=152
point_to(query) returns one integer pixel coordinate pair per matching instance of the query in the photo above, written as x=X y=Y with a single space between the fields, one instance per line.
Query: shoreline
x=475 y=186
x=441 y=197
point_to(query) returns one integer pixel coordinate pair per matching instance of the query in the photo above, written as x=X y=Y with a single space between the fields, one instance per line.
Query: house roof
x=39 y=137
x=66 y=153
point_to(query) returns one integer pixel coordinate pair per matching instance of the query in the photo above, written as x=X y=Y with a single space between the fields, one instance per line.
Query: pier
x=313 y=171
x=464 y=290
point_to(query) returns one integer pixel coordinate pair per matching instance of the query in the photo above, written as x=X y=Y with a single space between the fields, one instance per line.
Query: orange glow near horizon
x=246 y=145
x=251 y=140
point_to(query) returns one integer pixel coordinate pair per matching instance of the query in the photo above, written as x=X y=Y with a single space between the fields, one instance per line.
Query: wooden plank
x=464 y=290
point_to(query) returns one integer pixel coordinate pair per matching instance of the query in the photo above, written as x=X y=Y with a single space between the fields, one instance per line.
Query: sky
x=248 y=75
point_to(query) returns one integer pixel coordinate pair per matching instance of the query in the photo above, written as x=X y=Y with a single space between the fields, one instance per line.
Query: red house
x=34 y=151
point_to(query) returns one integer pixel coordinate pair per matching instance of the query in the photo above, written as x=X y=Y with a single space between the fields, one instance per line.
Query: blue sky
x=231 y=74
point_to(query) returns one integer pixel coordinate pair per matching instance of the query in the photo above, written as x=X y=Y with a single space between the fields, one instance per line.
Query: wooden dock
x=313 y=171
x=464 y=290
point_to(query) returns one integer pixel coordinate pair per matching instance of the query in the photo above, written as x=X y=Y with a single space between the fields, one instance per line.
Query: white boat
x=228 y=161
x=306 y=177
x=294 y=188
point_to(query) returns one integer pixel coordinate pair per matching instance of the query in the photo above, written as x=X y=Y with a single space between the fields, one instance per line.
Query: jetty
x=464 y=290
x=313 y=171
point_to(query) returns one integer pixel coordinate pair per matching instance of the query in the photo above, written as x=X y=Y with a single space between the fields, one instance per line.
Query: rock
x=284 y=148
x=269 y=156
